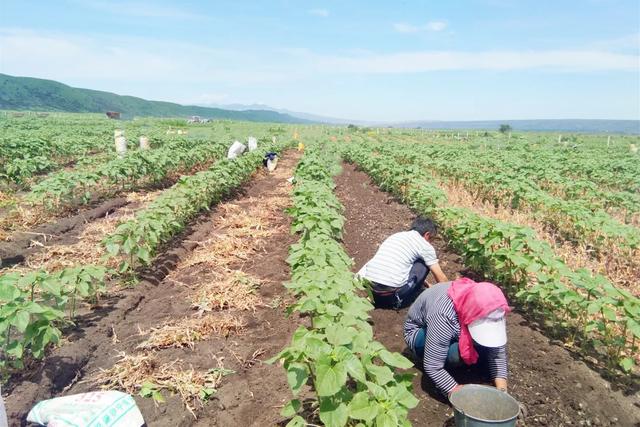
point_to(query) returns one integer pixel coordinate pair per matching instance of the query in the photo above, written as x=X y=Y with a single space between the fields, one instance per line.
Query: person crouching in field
x=270 y=161
x=459 y=323
x=398 y=270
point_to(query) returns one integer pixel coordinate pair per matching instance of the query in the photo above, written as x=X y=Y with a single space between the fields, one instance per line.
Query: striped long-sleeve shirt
x=433 y=311
x=391 y=265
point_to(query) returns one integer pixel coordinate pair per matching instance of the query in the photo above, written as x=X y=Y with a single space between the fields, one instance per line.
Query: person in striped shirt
x=398 y=270
x=456 y=323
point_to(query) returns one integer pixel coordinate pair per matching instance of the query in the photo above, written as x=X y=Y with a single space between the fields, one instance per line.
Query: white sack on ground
x=101 y=408
x=252 y=142
x=236 y=149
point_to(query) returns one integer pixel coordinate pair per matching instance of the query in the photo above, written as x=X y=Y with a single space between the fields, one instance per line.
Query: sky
x=361 y=60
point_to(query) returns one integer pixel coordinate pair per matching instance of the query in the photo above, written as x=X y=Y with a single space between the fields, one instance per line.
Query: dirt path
x=555 y=388
x=213 y=301
x=21 y=244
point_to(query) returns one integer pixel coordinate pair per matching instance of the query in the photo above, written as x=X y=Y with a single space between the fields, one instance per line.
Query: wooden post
x=559 y=139
x=608 y=141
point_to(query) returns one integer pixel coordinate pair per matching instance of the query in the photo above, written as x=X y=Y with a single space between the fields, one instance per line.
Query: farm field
x=220 y=294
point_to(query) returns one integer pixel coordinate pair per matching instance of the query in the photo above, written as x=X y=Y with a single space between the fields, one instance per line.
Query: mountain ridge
x=30 y=93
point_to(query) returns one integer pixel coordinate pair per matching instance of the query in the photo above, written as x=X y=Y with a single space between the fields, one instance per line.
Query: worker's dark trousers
x=386 y=297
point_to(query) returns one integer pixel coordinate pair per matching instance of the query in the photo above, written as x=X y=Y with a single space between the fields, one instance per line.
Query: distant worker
x=270 y=161
x=300 y=146
x=398 y=270
x=459 y=323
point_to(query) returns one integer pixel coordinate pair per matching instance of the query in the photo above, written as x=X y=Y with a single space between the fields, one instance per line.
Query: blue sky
x=366 y=60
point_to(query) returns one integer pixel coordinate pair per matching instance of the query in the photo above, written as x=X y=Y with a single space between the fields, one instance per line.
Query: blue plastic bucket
x=482 y=406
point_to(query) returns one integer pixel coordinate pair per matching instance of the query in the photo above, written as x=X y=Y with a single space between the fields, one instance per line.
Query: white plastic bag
x=252 y=142
x=236 y=149
x=121 y=145
x=3 y=413
x=96 y=409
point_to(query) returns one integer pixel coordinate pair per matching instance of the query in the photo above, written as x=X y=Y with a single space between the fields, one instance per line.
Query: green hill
x=26 y=93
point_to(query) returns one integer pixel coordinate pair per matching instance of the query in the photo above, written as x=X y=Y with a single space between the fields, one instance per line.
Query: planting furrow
x=163 y=339
x=35 y=303
x=585 y=308
x=353 y=378
x=213 y=299
x=65 y=191
x=574 y=220
x=531 y=355
x=136 y=241
x=619 y=269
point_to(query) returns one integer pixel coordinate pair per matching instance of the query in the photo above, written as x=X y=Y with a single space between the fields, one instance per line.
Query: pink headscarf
x=473 y=301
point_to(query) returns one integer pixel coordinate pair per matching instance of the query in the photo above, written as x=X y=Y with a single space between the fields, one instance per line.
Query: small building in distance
x=113 y=115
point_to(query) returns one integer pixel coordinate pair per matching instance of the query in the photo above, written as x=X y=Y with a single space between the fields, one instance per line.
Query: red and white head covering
x=481 y=308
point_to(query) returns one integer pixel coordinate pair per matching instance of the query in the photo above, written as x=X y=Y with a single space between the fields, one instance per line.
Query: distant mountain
x=26 y=93
x=305 y=116
x=558 y=125
x=540 y=125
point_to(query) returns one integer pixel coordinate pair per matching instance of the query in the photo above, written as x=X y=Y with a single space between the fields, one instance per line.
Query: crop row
x=353 y=377
x=137 y=168
x=553 y=168
x=579 y=159
x=138 y=239
x=585 y=308
x=35 y=146
x=34 y=306
x=575 y=220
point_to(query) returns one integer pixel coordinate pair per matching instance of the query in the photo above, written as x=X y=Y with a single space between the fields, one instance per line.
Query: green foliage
x=32 y=309
x=137 y=240
x=34 y=146
x=516 y=176
x=504 y=128
x=137 y=168
x=152 y=390
x=354 y=377
x=26 y=93
x=590 y=310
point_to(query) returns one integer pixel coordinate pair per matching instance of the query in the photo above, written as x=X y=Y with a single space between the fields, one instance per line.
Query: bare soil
x=555 y=388
x=21 y=244
x=253 y=394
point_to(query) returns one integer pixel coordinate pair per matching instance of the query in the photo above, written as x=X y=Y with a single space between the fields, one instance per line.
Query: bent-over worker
x=398 y=270
x=270 y=161
x=456 y=323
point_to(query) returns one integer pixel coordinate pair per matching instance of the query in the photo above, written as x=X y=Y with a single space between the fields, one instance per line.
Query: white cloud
x=427 y=61
x=160 y=69
x=431 y=26
x=137 y=66
x=323 y=13
x=435 y=26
